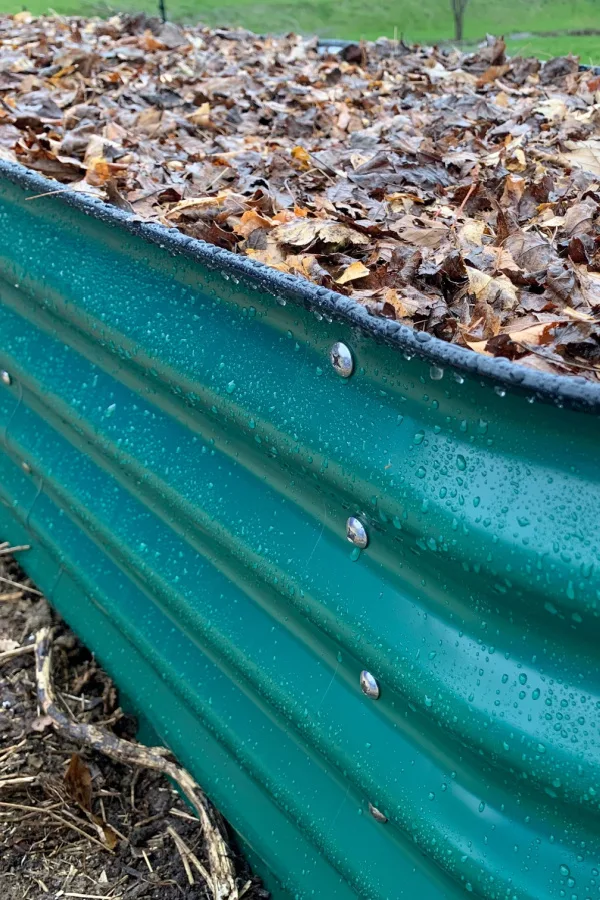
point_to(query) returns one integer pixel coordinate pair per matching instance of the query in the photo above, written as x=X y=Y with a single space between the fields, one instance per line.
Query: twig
x=40 y=810
x=61 y=191
x=17 y=780
x=222 y=875
x=17 y=651
x=466 y=199
x=179 y=844
x=4 y=549
x=7 y=751
x=186 y=852
x=22 y=587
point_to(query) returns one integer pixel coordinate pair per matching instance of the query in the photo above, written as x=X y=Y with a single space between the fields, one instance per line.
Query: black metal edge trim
x=568 y=390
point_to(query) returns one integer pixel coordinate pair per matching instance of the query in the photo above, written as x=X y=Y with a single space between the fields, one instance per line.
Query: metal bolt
x=5 y=377
x=341 y=359
x=26 y=467
x=368 y=685
x=356 y=532
x=377 y=814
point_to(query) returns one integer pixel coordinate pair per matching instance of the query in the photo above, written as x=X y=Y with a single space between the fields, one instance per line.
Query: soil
x=49 y=847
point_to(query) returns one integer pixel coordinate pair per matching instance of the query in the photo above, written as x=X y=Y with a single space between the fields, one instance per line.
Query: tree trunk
x=458 y=24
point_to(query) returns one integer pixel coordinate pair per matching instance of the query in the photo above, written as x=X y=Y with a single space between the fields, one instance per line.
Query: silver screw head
x=377 y=814
x=341 y=359
x=356 y=532
x=5 y=377
x=368 y=685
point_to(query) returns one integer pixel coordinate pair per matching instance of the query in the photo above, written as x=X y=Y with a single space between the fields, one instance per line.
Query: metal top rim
x=570 y=391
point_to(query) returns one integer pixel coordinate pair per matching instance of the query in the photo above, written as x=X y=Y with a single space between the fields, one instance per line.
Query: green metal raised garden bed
x=183 y=457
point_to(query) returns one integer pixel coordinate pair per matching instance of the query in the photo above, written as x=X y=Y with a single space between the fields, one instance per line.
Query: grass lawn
x=416 y=20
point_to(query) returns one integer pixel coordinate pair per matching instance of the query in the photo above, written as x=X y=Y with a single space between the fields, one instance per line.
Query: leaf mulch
x=458 y=194
x=73 y=823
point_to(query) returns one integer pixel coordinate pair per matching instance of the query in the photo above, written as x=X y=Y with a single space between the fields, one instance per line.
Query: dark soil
x=42 y=854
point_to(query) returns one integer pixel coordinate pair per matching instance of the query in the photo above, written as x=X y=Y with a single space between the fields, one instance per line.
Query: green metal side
x=182 y=457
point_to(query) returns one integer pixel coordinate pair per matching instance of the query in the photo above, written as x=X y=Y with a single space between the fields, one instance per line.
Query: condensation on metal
x=196 y=459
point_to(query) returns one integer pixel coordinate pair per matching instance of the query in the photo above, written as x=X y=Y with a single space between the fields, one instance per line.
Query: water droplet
x=461 y=462
x=436 y=373
x=419 y=437
x=230 y=388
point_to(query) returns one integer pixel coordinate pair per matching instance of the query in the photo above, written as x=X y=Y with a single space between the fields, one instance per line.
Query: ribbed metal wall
x=183 y=458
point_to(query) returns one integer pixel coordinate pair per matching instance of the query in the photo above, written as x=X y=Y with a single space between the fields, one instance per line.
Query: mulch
x=49 y=845
x=457 y=193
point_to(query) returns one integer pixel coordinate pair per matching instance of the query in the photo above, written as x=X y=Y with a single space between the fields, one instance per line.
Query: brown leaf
x=107 y=835
x=584 y=154
x=484 y=323
x=250 y=221
x=529 y=250
x=533 y=334
x=302 y=157
x=305 y=231
x=352 y=272
x=432 y=236
x=499 y=292
x=200 y=116
x=470 y=235
x=579 y=218
x=78 y=782
x=491 y=74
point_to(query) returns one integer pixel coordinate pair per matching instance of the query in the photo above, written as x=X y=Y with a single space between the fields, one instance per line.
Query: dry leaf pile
x=459 y=194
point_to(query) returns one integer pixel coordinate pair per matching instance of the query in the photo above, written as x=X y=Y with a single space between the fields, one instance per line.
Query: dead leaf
x=302 y=156
x=200 y=116
x=492 y=74
x=470 y=235
x=304 y=232
x=105 y=832
x=579 y=218
x=250 y=221
x=552 y=108
x=533 y=334
x=78 y=782
x=530 y=251
x=584 y=154
x=498 y=293
x=432 y=236
x=352 y=272
x=484 y=324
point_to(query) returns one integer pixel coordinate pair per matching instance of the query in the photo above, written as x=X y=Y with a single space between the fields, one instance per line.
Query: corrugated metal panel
x=183 y=459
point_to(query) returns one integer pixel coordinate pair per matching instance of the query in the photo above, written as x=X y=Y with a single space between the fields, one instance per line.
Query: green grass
x=415 y=19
